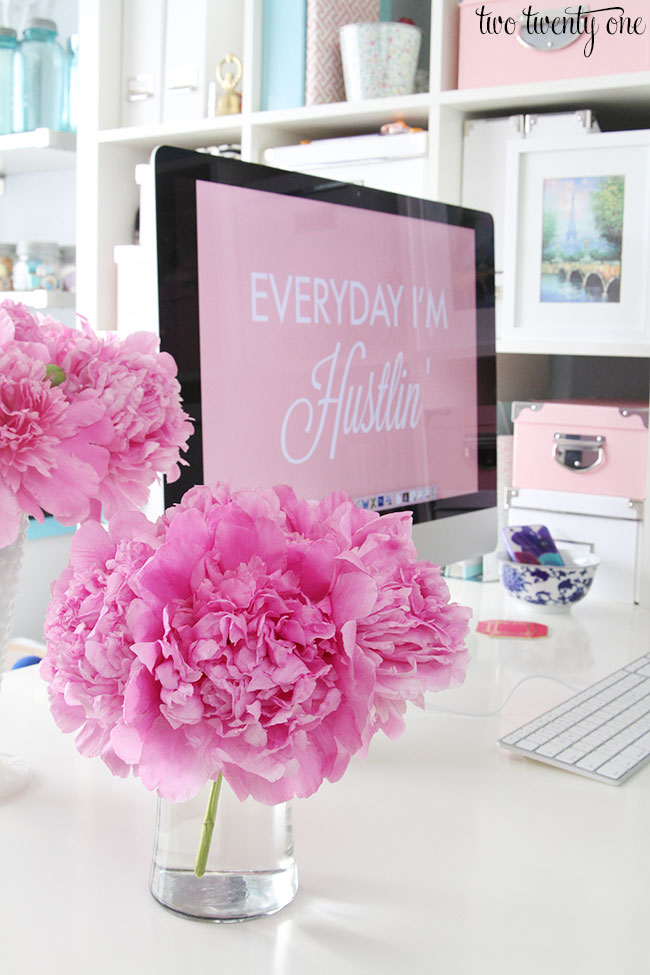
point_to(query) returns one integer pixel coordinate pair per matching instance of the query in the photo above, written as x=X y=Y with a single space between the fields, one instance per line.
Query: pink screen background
x=321 y=384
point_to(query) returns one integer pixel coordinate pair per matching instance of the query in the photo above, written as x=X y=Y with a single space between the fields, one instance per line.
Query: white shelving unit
x=107 y=152
x=37 y=175
x=616 y=90
x=41 y=150
x=42 y=299
x=41 y=155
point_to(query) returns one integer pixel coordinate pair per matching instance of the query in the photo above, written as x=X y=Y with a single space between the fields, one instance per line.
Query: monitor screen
x=328 y=336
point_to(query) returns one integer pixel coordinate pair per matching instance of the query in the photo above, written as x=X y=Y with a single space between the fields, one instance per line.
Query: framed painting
x=577 y=244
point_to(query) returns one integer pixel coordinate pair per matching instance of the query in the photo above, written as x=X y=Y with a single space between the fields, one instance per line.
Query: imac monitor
x=332 y=337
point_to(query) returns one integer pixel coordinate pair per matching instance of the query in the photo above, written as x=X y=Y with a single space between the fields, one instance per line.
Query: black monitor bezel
x=176 y=172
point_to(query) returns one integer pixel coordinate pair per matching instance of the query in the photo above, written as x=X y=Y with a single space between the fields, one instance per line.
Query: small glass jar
x=68 y=268
x=37 y=265
x=44 y=70
x=250 y=870
x=7 y=257
x=10 y=81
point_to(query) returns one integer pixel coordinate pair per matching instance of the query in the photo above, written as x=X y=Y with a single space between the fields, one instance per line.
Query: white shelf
x=315 y=121
x=41 y=299
x=319 y=120
x=572 y=348
x=37 y=151
x=629 y=91
x=226 y=128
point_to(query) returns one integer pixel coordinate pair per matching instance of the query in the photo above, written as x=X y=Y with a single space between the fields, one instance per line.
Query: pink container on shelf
x=506 y=42
x=586 y=448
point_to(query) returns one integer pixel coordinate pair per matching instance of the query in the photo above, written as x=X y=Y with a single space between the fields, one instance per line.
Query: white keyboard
x=602 y=732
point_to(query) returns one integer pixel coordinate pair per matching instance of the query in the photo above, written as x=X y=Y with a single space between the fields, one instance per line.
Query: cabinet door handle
x=577 y=452
x=550 y=42
x=181 y=89
x=139 y=87
x=183 y=80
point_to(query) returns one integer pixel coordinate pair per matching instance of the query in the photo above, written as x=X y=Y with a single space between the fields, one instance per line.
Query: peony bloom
x=139 y=394
x=84 y=421
x=90 y=654
x=249 y=635
x=407 y=626
x=42 y=463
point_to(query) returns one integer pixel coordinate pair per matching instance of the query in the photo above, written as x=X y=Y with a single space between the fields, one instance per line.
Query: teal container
x=10 y=81
x=44 y=74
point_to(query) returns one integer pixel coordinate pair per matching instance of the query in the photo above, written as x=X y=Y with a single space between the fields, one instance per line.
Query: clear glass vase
x=14 y=773
x=250 y=869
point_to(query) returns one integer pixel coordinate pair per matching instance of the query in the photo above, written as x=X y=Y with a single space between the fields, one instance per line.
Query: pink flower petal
x=126 y=743
x=172 y=764
x=353 y=596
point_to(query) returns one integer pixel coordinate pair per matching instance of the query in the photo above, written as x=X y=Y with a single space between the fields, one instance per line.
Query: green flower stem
x=208 y=828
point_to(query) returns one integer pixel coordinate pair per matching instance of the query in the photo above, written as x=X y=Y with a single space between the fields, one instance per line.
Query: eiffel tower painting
x=571 y=241
x=582 y=236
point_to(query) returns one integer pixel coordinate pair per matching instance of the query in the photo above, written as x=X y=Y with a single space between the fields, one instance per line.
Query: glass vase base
x=224 y=896
x=14 y=776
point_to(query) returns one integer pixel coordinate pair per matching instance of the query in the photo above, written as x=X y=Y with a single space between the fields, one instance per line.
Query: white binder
x=143 y=44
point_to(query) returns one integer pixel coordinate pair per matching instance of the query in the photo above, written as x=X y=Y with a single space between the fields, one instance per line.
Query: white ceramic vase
x=14 y=774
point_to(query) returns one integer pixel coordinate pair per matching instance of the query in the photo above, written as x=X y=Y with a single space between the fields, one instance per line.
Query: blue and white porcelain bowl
x=554 y=588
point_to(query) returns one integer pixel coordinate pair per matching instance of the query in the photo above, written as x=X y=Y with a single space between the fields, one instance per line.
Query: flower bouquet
x=246 y=636
x=86 y=424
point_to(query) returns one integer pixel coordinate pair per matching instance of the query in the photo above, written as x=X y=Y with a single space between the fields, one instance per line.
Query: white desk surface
x=440 y=853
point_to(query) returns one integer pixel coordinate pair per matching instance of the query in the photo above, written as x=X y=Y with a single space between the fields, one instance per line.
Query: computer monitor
x=332 y=337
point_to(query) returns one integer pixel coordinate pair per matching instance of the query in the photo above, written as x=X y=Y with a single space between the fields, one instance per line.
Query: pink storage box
x=584 y=448
x=530 y=55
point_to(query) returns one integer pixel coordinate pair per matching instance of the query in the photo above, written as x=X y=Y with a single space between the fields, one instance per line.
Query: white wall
x=39 y=206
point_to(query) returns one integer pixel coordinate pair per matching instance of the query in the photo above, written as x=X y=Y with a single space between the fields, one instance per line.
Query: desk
x=440 y=853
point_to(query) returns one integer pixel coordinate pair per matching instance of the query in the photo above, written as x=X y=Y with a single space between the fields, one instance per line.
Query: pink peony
x=84 y=421
x=249 y=634
x=42 y=465
x=90 y=652
x=411 y=631
x=139 y=394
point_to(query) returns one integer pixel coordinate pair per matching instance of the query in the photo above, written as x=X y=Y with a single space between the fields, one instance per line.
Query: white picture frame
x=549 y=244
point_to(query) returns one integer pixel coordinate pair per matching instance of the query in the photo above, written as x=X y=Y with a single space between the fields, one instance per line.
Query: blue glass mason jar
x=69 y=116
x=44 y=70
x=10 y=81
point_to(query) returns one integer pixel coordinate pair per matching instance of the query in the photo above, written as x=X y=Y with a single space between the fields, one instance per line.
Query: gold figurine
x=230 y=102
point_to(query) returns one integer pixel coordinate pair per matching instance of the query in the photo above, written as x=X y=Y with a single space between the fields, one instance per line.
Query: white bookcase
x=37 y=174
x=107 y=153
